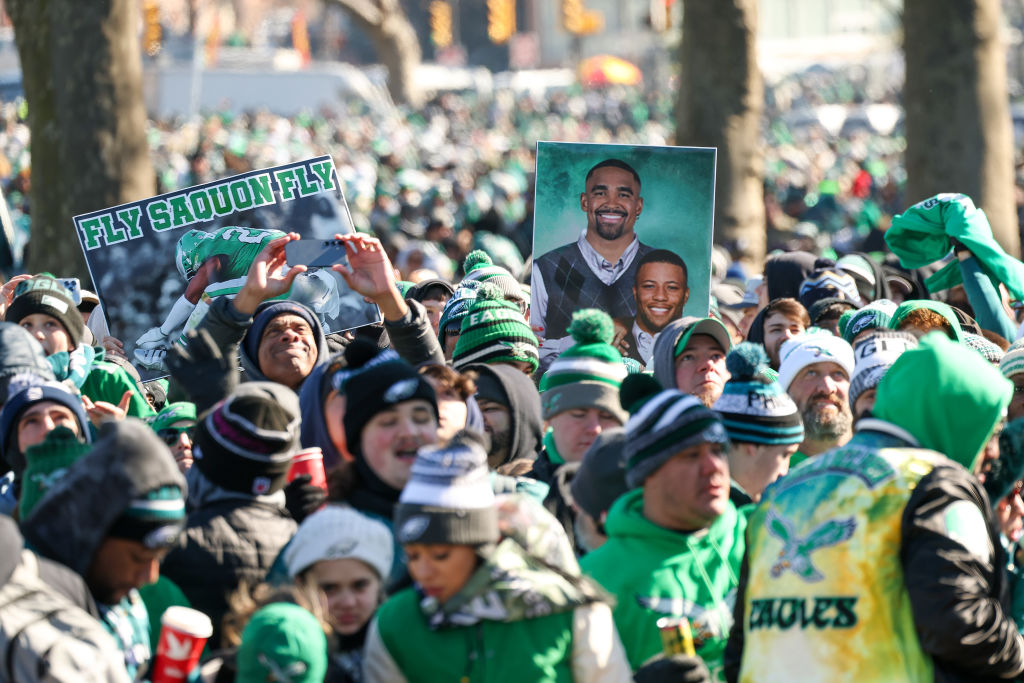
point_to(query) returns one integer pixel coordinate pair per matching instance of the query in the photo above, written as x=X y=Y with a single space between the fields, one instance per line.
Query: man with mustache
x=598 y=269
x=815 y=371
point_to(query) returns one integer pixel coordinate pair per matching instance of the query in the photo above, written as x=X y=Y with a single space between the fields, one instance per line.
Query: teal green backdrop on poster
x=678 y=188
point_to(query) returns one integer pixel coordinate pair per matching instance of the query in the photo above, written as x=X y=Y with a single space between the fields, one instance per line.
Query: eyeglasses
x=170 y=435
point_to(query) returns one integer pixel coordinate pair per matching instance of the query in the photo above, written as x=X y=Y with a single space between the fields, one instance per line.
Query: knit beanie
x=479 y=266
x=810 y=348
x=46 y=462
x=44 y=294
x=456 y=308
x=875 y=315
x=828 y=281
x=155 y=519
x=22 y=361
x=874 y=355
x=282 y=642
x=753 y=409
x=374 y=382
x=992 y=353
x=661 y=425
x=494 y=331
x=11 y=456
x=1011 y=364
x=173 y=413
x=448 y=498
x=266 y=312
x=587 y=374
x=246 y=441
x=337 y=532
x=601 y=477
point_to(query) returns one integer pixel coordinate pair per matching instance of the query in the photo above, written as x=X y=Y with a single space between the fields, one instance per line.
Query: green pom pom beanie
x=494 y=331
x=587 y=374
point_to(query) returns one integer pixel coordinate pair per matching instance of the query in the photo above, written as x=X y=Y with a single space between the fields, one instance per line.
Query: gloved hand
x=676 y=668
x=206 y=373
x=152 y=339
x=303 y=498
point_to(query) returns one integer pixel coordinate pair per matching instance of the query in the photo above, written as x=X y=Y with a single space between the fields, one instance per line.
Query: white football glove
x=152 y=339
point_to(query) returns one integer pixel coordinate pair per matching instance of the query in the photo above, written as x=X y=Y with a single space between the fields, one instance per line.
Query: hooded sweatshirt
x=312 y=393
x=669 y=574
x=879 y=559
x=20 y=353
x=525 y=426
x=663 y=360
x=942 y=309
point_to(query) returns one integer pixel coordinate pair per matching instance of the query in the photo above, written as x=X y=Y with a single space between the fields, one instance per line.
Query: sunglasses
x=170 y=435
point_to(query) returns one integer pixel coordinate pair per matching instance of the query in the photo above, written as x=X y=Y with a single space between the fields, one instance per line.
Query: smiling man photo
x=598 y=270
x=660 y=290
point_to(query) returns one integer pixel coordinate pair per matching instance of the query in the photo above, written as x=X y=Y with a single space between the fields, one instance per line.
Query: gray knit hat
x=992 y=353
x=663 y=424
x=449 y=498
x=479 y=266
x=874 y=355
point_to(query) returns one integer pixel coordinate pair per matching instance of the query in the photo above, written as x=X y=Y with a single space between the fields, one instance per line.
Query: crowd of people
x=818 y=478
x=825 y=469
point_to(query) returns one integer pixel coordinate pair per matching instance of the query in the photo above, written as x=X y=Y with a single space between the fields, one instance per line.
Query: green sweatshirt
x=669 y=574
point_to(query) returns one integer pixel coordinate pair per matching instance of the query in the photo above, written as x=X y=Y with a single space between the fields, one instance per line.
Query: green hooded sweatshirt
x=942 y=309
x=656 y=572
x=959 y=418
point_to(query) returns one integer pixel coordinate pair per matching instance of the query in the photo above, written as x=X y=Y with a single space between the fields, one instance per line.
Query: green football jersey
x=239 y=246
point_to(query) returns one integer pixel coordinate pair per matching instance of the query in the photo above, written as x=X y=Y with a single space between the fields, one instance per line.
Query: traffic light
x=573 y=13
x=501 y=20
x=441 y=23
x=152 y=35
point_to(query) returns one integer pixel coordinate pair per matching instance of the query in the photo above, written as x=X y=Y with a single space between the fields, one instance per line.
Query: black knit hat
x=601 y=477
x=245 y=443
x=374 y=382
x=44 y=294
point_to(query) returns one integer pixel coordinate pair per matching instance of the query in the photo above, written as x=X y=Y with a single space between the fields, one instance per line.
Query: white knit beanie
x=875 y=354
x=808 y=349
x=338 y=532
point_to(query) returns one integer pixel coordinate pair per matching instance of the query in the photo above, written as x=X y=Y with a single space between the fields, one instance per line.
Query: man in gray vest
x=599 y=268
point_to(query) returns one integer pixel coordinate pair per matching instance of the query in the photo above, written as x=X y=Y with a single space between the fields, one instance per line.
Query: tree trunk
x=720 y=102
x=82 y=75
x=395 y=41
x=959 y=134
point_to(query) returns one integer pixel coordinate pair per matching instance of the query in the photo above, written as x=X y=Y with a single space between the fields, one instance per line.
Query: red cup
x=183 y=634
x=309 y=461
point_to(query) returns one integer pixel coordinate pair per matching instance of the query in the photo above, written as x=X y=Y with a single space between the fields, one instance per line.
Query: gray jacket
x=663 y=360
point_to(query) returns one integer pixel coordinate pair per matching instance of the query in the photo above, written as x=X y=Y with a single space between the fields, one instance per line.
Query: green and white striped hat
x=494 y=331
x=587 y=374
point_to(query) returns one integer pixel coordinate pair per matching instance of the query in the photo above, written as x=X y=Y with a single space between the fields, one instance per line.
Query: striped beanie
x=456 y=308
x=478 y=266
x=661 y=425
x=875 y=315
x=1013 y=361
x=992 y=353
x=155 y=519
x=874 y=355
x=449 y=498
x=245 y=442
x=753 y=409
x=494 y=331
x=587 y=374
x=828 y=281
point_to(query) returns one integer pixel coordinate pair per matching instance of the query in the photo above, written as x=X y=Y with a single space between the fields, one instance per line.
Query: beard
x=611 y=232
x=499 y=452
x=821 y=424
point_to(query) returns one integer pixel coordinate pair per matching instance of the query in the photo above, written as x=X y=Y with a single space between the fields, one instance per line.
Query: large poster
x=158 y=264
x=623 y=228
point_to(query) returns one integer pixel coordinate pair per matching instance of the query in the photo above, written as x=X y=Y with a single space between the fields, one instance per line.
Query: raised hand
x=268 y=276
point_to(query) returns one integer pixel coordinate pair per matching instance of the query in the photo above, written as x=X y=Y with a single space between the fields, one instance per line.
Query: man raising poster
x=598 y=269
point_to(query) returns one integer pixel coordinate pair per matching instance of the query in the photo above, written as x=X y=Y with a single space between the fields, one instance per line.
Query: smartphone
x=74 y=287
x=315 y=253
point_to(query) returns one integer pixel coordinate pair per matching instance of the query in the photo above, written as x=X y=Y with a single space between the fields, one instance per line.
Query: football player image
x=213 y=264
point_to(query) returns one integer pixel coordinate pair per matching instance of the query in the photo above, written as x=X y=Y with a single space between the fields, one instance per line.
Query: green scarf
x=550 y=449
x=923 y=234
x=76 y=365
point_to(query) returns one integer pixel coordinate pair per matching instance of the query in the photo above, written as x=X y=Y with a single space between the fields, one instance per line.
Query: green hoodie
x=914 y=304
x=959 y=418
x=669 y=573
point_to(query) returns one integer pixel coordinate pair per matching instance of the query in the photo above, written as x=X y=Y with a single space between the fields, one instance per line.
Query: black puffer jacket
x=230 y=539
